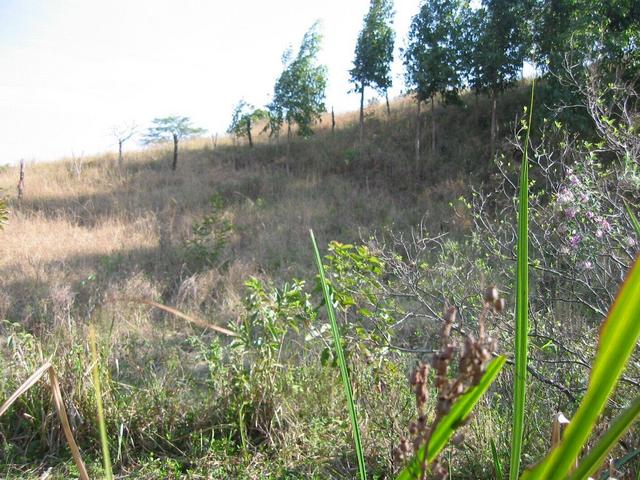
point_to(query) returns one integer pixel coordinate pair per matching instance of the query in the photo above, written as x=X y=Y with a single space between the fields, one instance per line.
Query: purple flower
x=570 y=212
x=575 y=240
x=573 y=179
x=584 y=197
x=605 y=225
x=590 y=215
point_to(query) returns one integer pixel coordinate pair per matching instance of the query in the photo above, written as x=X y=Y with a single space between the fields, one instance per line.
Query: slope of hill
x=89 y=236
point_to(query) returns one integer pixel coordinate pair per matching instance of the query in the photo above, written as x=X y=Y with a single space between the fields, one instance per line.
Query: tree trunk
x=120 y=153
x=361 y=115
x=21 y=182
x=286 y=164
x=494 y=123
x=333 y=121
x=249 y=132
x=418 y=137
x=175 y=152
x=386 y=97
x=433 y=126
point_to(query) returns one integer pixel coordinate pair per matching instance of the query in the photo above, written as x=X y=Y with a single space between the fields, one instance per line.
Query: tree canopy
x=299 y=92
x=434 y=55
x=374 y=48
x=172 y=127
x=243 y=118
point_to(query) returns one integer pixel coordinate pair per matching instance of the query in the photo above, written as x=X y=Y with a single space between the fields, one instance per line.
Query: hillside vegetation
x=225 y=238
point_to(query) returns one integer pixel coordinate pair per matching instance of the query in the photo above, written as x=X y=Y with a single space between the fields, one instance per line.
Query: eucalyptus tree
x=173 y=128
x=503 y=39
x=374 y=53
x=299 y=92
x=244 y=117
x=433 y=58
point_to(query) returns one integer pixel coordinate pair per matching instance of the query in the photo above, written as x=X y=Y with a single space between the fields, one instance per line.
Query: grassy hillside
x=89 y=238
x=82 y=217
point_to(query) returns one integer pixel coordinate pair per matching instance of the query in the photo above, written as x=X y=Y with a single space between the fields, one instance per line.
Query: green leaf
x=497 y=466
x=598 y=454
x=634 y=220
x=337 y=343
x=522 y=308
x=618 y=336
x=449 y=423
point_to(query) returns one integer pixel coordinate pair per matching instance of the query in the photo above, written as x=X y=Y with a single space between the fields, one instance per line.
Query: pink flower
x=599 y=233
x=573 y=179
x=565 y=196
x=586 y=265
x=584 y=197
x=590 y=215
x=605 y=225
x=631 y=242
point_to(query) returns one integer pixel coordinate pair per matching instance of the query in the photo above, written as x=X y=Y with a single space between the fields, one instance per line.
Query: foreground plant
x=455 y=396
x=618 y=337
x=337 y=343
x=56 y=393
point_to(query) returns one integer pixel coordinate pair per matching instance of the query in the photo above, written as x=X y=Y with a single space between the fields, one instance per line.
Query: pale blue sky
x=72 y=69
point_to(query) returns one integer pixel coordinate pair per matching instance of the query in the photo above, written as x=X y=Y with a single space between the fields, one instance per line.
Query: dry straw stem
x=178 y=313
x=59 y=404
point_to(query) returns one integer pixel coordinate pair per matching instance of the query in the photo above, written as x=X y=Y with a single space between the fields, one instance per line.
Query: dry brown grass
x=85 y=219
x=71 y=228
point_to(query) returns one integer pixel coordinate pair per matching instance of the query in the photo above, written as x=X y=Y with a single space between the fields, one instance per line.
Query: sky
x=71 y=70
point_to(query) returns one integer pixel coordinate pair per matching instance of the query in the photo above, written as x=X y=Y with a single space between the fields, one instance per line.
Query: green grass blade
x=449 y=423
x=598 y=454
x=522 y=308
x=497 y=466
x=104 y=442
x=341 y=360
x=634 y=220
x=618 y=336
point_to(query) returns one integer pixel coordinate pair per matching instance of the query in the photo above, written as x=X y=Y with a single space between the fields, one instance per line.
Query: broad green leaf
x=618 y=336
x=598 y=454
x=454 y=419
x=337 y=344
x=522 y=308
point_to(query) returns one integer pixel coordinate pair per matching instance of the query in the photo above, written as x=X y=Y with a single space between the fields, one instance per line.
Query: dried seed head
x=450 y=315
x=491 y=294
x=499 y=305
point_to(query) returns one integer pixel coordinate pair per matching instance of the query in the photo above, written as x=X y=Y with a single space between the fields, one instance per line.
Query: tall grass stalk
x=337 y=341
x=104 y=442
x=522 y=306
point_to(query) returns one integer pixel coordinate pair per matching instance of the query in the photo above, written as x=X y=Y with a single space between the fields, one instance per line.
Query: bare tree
x=122 y=133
